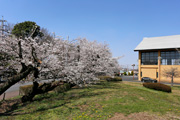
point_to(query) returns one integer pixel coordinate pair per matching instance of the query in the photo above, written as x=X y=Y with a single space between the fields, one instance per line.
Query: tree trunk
x=13 y=80
x=39 y=89
x=172 y=81
x=31 y=95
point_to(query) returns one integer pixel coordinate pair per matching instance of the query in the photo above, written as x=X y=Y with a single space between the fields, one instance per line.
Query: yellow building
x=157 y=54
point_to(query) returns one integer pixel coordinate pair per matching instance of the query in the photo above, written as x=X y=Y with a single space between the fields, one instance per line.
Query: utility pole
x=3 y=28
x=133 y=70
x=54 y=35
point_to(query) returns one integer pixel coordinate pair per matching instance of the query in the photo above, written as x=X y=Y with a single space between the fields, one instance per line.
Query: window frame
x=149 y=58
x=170 y=58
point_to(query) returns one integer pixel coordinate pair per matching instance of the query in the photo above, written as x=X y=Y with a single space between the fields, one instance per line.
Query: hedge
x=24 y=90
x=62 y=88
x=109 y=78
x=158 y=86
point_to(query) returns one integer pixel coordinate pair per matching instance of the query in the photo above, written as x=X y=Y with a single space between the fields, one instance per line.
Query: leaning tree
x=77 y=62
x=24 y=56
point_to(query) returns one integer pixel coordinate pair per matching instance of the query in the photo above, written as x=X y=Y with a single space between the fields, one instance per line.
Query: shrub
x=24 y=90
x=132 y=72
x=158 y=86
x=104 y=77
x=129 y=73
x=62 y=88
x=125 y=73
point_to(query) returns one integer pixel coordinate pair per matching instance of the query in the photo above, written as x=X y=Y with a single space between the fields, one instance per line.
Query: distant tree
x=125 y=73
x=171 y=73
x=25 y=29
x=47 y=36
x=132 y=73
x=129 y=73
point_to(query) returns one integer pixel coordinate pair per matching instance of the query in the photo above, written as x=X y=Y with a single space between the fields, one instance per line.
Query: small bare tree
x=171 y=73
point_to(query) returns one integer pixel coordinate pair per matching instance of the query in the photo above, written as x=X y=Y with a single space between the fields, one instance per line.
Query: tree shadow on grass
x=67 y=100
x=65 y=97
x=9 y=105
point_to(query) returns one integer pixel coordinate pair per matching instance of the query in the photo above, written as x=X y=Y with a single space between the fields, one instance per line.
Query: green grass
x=99 y=102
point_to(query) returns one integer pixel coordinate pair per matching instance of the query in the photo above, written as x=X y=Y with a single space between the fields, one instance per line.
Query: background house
x=157 y=54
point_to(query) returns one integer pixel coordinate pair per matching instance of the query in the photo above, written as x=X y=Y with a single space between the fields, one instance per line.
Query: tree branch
x=13 y=80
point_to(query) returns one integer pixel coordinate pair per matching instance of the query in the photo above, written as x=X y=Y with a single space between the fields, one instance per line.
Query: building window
x=170 y=58
x=149 y=58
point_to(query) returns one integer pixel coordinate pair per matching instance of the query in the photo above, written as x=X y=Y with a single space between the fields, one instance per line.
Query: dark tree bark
x=20 y=50
x=40 y=89
x=25 y=71
x=13 y=80
x=31 y=95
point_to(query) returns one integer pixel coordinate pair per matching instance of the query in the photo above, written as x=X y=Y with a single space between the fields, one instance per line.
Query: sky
x=120 y=23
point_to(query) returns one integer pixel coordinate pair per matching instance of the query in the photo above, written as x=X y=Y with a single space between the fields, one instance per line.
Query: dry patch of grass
x=132 y=83
x=142 y=116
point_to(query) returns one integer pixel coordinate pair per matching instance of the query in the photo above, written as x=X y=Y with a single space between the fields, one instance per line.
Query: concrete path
x=13 y=91
x=9 y=95
x=129 y=78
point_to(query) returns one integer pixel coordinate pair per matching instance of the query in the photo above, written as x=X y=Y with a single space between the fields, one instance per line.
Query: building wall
x=156 y=71
x=149 y=71
x=139 y=67
x=165 y=79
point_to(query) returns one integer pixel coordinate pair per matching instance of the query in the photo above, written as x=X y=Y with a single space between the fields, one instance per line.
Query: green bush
x=24 y=90
x=158 y=86
x=62 y=88
x=125 y=73
x=132 y=72
x=104 y=77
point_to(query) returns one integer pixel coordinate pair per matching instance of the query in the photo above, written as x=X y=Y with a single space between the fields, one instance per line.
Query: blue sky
x=120 y=23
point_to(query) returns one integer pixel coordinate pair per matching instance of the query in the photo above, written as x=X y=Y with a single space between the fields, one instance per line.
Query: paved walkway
x=9 y=94
x=13 y=91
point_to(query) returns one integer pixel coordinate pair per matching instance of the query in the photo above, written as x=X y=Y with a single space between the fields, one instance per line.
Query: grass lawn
x=104 y=101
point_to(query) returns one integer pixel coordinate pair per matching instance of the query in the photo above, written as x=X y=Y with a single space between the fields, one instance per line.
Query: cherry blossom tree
x=77 y=62
x=22 y=58
x=80 y=62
